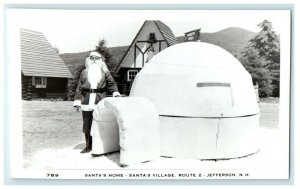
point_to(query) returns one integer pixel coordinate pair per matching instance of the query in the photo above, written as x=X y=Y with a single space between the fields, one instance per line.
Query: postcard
x=148 y=94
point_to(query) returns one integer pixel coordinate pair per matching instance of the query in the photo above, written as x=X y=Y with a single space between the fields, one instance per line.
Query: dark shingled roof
x=39 y=58
x=167 y=33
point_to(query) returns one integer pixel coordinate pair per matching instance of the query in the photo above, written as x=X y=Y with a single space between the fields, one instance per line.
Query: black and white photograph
x=149 y=94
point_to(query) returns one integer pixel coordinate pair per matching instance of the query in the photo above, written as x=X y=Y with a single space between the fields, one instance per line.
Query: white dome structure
x=205 y=99
x=204 y=80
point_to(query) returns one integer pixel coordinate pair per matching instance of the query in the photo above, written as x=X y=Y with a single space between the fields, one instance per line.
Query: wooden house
x=44 y=74
x=153 y=36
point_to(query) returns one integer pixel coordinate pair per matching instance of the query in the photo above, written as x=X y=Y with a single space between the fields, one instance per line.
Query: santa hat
x=95 y=54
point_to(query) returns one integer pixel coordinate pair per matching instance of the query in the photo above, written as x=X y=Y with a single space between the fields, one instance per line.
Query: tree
x=261 y=58
x=102 y=49
x=257 y=67
x=267 y=43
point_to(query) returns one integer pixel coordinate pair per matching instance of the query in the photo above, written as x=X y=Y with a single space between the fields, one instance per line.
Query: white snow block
x=138 y=128
x=105 y=131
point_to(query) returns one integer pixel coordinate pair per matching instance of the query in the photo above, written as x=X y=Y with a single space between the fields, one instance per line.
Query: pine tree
x=102 y=49
x=267 y=43
x=257 y=67
x=261 y=58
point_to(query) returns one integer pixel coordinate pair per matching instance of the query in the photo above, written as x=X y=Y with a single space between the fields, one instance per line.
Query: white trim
x=116 y=94
x=77 y=103
x=131 y=71
x=33 y=80
x=42 y=79
x=88 y=108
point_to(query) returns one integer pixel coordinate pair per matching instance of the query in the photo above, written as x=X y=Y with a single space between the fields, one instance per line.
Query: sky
x=79 y=30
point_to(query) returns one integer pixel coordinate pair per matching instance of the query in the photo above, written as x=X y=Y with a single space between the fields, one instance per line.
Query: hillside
x=231 y=39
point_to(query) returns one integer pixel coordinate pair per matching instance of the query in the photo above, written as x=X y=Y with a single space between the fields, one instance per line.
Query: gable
x=148 y=28
x=133 y=57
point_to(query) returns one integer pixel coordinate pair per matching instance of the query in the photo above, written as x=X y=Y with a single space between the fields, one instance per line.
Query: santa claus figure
x=94 y=82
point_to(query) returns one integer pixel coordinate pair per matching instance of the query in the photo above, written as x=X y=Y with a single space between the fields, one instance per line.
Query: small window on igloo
x=215 y=94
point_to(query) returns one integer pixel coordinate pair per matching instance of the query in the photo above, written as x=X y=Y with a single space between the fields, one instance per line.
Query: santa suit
x=94 y=83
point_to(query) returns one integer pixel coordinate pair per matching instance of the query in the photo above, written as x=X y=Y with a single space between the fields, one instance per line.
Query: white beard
x=95 y=76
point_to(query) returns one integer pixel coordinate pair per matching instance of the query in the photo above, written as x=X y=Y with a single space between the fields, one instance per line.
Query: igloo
x=205 y=99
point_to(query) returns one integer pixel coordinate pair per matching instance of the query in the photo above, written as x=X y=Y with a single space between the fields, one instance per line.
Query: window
x=214 y=94
x=39 y=82
x=131 y=75
x=152 y=37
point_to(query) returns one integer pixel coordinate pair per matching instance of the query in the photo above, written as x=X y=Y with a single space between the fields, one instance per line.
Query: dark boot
x=88 y=141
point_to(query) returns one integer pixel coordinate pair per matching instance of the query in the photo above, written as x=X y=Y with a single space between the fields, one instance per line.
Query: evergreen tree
x=267 y=43
x=261 y=58
x=102 y=49
x=257 y=66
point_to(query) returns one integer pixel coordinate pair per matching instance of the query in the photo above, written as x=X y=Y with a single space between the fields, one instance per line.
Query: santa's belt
x=94 y=90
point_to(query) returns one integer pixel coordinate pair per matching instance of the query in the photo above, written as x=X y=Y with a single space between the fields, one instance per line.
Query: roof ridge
x=32 y=31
